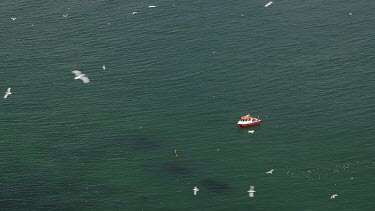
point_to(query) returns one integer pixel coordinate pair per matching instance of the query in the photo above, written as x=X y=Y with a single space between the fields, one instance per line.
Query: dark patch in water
x=178 y=170
x=135 y=141
x=144 y=143
x=103 y=146
x=215 y=186
x=144 y=198
x=68 y=186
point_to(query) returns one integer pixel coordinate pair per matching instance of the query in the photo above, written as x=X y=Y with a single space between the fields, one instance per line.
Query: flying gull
x=7 y=93
x=268 y=4
x=81 y=76
x=334 y=196
x=251 y=131
x=151 y=6
x=269 y=172
x=195 y=190
x=13 y=18
x=103 y=67
x=66 y=15
x=251 y=191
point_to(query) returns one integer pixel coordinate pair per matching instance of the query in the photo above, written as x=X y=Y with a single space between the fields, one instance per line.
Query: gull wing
x=77 y=73
x=85 y=79
x=268 y=4
x=251 y=187
x=251 y=194
x=8 y=90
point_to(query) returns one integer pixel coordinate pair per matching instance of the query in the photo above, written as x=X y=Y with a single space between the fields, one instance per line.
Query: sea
x=162 y=117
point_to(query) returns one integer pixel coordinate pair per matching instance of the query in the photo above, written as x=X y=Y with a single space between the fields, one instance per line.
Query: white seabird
x=13 y=18
x=195 y=190
x=269 y=172
x=151 y=6
x=66 y=15
x=268 y=4
x=251 y=131
x=334 y=196
x=7 y=93
x=251 y=191
x=103 y=67
x=134 y=13
x=81 y=76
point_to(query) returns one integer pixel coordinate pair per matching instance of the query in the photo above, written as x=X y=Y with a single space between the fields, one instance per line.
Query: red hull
x=249 y=124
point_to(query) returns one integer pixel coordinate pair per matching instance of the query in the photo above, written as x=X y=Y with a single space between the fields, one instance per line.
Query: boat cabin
x=246 y=118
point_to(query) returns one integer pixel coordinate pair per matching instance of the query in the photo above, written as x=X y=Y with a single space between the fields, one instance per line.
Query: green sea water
x=178 y=77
